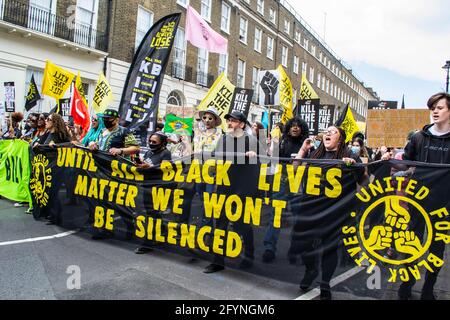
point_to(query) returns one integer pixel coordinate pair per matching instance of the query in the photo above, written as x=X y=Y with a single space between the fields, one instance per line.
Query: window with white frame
x=144 y=23
x=86 y=21
x=284 y=56
x=202 y=67
x=258 y=39
x=225 y=21
x=311 y=74
x=255 y=83
x=40 y=16
x=297 y=36
x=272 y=15
x=205 y=9
x=243 y=28
x=183 y=3
x=240 y=74
x=304 y=68
x=287 y=26
x=223 y=64
x=323 y=83
x=327 y=90
x=319 y=78
x=313 y=50
x=270 y=48
x=296 y=64
x=331 y=89
x=179 y=54
x=305 y=43
x=260 y=6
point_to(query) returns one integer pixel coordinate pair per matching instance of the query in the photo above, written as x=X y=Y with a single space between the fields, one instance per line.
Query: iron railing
x=43 y=21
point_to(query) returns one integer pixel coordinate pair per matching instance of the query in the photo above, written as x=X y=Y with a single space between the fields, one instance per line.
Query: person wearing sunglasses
x=314 y=215
x=97 y=127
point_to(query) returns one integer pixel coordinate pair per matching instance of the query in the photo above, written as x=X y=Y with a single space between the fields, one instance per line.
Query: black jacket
x=425 y=147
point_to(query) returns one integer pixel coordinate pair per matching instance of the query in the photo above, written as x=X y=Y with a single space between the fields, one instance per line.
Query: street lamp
x=447 y=67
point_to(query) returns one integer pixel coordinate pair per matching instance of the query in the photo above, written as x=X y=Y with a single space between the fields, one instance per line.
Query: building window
x=255 y=84
x=305 y=43
x=86 y=20
x=175 y=99
x=144 y=23
x=311 y=74
x=243 y=27
x=179 y=54
x=272 y=15
x=284 y=56
x=258 y=39
x=313 y=50
x=319 y=78
x=331 y=89
x=320 y=55
x=296 y=64
x=260 y=6
x=183 y=3
x=202 y=67
x=304 y=67
x=206 y=9
x=223 y=64
x=270 y=48
x=240 y=74
x=225 y=22
x=297 y=36
x=323 y=83
x=287 y=26
x=40 y=16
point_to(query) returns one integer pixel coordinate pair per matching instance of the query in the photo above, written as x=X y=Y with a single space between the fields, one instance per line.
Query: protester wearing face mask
x=158 y=151
x=116 y=140
x=360 y=150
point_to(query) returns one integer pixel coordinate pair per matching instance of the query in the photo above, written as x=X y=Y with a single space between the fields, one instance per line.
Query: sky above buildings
x=395 y=46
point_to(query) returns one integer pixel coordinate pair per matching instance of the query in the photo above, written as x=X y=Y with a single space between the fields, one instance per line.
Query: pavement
x=37 y=262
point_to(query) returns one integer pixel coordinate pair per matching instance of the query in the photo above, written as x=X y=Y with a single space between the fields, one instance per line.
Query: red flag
x=80 y=112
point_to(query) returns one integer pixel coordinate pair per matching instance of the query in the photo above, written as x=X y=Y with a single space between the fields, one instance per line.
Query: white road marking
x=56 y=236
x=334 y=282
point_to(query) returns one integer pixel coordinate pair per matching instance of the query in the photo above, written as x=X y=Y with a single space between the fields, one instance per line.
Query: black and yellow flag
x=307 y=92
x=347 y=122
x=33 y=95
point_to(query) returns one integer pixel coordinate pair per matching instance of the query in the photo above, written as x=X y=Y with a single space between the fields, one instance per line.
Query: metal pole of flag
x=447 y=67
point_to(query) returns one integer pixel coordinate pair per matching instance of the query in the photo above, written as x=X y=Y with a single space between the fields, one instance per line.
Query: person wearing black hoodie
x=295 y=133
x=431 y=145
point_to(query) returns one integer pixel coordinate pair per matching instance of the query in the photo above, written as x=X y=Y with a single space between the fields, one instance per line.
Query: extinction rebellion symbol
x=394 y=229
x=41 y=179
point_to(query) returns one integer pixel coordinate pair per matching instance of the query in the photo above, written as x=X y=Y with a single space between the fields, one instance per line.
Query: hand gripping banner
x=271 y=217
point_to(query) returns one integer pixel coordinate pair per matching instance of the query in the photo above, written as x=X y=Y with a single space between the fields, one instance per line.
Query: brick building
x=262 y=34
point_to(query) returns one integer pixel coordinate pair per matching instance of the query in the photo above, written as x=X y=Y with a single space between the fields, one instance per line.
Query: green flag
x=15 y=170
x=178 y=125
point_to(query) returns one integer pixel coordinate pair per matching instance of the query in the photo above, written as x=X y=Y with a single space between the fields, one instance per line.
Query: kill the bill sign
x=329 y=201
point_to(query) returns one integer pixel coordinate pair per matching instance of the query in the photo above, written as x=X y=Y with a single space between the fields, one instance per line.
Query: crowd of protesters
x=289 y=143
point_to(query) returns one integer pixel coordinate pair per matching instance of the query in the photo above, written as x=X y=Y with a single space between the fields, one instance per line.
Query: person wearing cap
x=115 y=139
x=244 y=150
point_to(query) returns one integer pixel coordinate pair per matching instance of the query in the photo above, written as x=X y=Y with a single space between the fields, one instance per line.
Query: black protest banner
x=242 y=99
x=383 y=105
x=325 y=117
x=274 y=118
x=308 y=111
x=64 y=108
x=143 y=84
x=323 y=200
x=33 y=95
x=10 y=96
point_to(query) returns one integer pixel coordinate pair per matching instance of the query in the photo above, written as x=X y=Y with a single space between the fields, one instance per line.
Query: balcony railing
x=181 y=71
x=43 y=21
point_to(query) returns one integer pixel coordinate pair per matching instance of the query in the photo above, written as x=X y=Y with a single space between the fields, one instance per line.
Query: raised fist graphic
x=269 y=84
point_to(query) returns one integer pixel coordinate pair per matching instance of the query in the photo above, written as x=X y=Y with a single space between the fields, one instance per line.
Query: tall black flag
x=140 y=96
x=33 y=95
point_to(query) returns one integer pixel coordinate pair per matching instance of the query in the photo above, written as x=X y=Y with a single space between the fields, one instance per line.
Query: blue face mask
x=356 y=150
x=317 y=144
